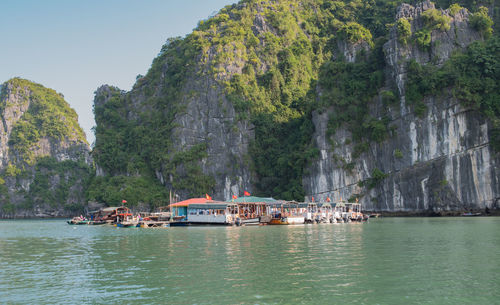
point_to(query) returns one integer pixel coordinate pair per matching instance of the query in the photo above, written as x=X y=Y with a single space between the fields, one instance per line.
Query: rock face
x=218 y=110
x=442 y=44
x=439 y=162
x=210 y=118
x=44 y=156
x=351 y=50
x=207 y=118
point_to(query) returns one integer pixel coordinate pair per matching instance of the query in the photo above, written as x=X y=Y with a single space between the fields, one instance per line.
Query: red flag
x=124 y=201
x=312 y=198
x=246 y=193
x=234 y=197
x=327 y=199
x=208 y=197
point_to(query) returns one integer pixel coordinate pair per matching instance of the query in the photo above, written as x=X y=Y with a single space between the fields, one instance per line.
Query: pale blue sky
x=75 y=46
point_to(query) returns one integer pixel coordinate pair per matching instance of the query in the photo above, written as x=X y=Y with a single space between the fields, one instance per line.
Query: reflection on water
x=417 y=260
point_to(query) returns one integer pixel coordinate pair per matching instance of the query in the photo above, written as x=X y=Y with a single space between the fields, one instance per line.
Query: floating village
x=243 y=211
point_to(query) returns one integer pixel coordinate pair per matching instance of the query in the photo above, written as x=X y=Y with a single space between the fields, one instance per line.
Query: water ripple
x=385 y=261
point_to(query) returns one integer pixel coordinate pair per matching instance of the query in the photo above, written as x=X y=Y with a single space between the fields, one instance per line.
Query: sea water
x=384 y=261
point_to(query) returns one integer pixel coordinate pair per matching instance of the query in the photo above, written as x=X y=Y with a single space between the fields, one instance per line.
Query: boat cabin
x=287 y=212
x=253 y=210
x=217 y=213
x=111 y=214
x=354 y=211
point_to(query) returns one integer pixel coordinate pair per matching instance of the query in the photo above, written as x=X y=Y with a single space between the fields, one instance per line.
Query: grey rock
x=351 y=50
x=15 y=102
x=447 y=162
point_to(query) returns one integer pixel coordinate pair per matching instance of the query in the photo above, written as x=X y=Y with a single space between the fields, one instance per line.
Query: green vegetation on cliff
x=41 y=123
x=474 y=79
x=277 y=62
x=48 y=115
x=281 y=66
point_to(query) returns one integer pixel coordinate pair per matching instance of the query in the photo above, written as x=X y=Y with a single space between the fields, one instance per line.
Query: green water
x=385 y=261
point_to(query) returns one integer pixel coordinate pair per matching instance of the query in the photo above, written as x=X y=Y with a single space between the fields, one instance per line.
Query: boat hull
x=83 y=222
x=289 y=220
x=250 y=221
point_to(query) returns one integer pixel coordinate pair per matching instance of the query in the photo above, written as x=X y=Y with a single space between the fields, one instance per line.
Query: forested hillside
x=44 y=156
x=239 y=103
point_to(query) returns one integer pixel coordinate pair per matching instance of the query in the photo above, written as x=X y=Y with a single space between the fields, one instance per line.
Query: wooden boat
x=78 y=221
x=278 y=221
x=84 y=221
x=127 y=224
x=252 y=221
x=179 y=221
x=109 y=215
x=154 y=224
x=126 y=220
x=287 y=220
x=252 y=210
x=250 y=213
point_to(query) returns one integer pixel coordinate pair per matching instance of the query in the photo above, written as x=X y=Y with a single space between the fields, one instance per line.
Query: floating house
x=212 y=213
x=179 y=210
x=203 y=211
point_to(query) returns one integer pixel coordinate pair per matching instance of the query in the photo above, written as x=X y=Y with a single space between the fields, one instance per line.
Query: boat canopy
x=282 y=202
x=254 y=199
x=306 y=204
x=112 y=209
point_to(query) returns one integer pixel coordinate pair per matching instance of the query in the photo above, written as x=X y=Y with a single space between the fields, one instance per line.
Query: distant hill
x=44 y=156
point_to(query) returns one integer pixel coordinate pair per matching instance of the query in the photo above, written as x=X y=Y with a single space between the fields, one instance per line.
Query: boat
x=127 y=220
x=354 y=212
x=108 y=215
x=286 y=213
x=287 y=220
x=469 y=214
x=278 y=220
x=252 y=210
x=84 y=221
x=153 y=224
x=78 y=221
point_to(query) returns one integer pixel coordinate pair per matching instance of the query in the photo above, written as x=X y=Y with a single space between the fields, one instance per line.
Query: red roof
x=185 y=203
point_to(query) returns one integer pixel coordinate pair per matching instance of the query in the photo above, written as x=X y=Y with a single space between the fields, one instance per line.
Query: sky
x=75 y=46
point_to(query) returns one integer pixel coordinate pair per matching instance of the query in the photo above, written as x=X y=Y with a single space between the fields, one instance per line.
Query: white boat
x=286 y=213
x=294 y=220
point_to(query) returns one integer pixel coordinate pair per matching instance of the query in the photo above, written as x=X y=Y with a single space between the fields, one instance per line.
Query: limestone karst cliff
x=294 y=99
x=44 y=156
x=437 y=160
